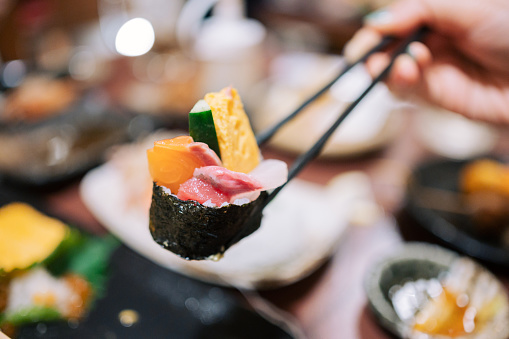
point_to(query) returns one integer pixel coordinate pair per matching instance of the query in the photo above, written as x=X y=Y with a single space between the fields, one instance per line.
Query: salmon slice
x=171 y=162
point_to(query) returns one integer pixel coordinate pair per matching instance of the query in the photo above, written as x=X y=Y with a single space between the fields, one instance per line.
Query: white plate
x=295 y=77
x=300 y=229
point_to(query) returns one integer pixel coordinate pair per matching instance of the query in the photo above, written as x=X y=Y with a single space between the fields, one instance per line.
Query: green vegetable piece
x=91 y=261
x=58 y=262
x=85 y=255
x=202 y=127
x=30 y=315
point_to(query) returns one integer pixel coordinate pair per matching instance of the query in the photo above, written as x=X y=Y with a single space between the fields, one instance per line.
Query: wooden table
x=330 y=303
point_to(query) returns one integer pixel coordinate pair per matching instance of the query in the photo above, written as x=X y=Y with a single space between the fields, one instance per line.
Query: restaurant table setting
x=386 y=227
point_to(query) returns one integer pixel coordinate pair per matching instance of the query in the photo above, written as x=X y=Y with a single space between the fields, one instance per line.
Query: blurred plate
x=300 y=229
x=166 y=305
x=64 y=146
x=452 y=135
x=454 y=229
x=161 y=85
x=296 y=77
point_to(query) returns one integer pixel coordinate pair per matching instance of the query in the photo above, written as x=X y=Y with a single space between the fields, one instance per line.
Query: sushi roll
x=210 y=187
x=46 y=269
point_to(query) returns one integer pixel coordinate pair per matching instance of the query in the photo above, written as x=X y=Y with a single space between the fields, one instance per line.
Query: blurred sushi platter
x=388 y=233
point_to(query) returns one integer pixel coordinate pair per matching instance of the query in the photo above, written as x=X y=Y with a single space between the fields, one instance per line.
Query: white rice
x=37 y=284
x=241 y=201
x=209 y=203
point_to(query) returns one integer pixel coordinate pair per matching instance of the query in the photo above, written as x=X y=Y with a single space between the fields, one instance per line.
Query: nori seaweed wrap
x=196 y=232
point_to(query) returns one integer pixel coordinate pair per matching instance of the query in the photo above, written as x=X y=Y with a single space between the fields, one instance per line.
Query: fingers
x=398 y=19
x=420 y=53
x=361 y=43
x=401 y=17
x=451 y=17
x=376 y=63
x=405 y=76
x=407 y=70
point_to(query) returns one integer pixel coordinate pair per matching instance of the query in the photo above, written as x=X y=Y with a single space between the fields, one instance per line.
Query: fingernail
x=411 y=52
x=380 y=17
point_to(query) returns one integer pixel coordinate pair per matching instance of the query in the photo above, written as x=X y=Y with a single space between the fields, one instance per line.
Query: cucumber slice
x=202 y=127
x=31 y=314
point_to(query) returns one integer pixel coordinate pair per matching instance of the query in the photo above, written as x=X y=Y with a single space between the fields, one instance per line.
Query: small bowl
x=423 y=261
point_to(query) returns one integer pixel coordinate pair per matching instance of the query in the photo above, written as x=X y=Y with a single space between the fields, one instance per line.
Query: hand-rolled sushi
x=210 y=187
x=48 y=270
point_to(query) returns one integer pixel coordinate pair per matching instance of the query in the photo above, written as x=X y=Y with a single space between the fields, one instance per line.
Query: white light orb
x=136 y=37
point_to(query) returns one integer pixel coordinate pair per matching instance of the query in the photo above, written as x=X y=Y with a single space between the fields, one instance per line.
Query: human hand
x=463 y=64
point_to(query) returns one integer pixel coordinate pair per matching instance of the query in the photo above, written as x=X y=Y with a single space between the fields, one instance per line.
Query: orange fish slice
x=172 y=161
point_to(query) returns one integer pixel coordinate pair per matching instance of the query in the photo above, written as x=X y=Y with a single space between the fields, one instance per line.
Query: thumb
x=445 y=16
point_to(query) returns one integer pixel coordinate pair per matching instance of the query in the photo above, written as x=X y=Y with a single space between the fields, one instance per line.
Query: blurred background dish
x=425 y=290
x=452 y=135
x=437 y=201
x=141 y=297
x=60 y=145
x=155 y=301
x=47 y=273
x=37 y=98
x=162 y=86
x=294 y=77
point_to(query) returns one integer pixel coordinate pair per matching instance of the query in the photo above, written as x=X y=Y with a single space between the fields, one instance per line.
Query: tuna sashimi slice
x=206 y=155
x=219 y=185
x=202 y=191
x=227 y=181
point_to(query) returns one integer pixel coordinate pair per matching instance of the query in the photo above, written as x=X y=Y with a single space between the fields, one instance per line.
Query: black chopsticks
x=264 y=136
x=313 y=152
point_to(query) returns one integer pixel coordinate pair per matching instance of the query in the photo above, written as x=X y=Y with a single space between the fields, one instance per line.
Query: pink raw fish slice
x=219 y=185
x=205 y=154
x=227 y=181
x=270 y=173
x=202 y=191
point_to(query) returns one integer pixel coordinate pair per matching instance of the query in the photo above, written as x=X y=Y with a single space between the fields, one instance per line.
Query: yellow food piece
x=237 y=143
x=485 y=175
x=27 y=236
x=442 y=316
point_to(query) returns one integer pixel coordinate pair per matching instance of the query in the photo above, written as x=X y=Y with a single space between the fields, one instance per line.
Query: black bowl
x=450 y=228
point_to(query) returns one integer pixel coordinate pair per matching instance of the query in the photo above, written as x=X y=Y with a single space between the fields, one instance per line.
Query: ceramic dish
x=140 y=299
x=59 y=148
x=431 y=195
x=408 y=294
x=295 y=77
x=158 y=303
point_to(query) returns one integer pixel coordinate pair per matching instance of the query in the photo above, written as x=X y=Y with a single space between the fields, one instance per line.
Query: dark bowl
x=413 y=262
x=455 y=230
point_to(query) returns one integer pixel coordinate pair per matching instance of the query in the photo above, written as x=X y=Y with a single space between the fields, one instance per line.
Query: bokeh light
x=136 y=37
